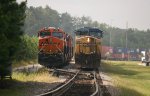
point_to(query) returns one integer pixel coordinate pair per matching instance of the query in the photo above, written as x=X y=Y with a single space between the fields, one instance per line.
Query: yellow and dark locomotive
x=88 y=47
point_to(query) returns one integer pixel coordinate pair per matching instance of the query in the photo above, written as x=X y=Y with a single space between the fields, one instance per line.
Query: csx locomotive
x=55 y=47
x=88 y=47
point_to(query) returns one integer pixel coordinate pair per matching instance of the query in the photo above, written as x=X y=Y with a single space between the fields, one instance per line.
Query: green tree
x=12 y=17
x=28 y=50
x=66 y=23
x=37 y=18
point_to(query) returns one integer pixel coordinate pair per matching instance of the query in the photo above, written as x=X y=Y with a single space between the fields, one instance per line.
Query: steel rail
x=60 y=90
x=96 y=93
x=65 y=71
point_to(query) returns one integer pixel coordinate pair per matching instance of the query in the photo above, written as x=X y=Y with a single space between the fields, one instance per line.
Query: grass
x=24 y=63
x=129 y=77
x=41 y=76
x=25 y=84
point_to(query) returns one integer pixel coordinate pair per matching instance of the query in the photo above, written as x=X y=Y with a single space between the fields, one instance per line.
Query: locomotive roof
x=89 y=29
x=52 y=29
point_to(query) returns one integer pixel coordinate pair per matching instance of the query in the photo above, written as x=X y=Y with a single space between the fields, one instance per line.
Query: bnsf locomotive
x=55 y=47
x=88 y=47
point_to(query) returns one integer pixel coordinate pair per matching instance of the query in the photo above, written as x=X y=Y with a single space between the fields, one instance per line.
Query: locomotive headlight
x=88 y=40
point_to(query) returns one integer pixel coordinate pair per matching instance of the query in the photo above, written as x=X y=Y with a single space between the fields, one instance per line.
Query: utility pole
x=110 y=42
x=127 y=40
x=110 y=39
x=110 y=36
x=60 y=20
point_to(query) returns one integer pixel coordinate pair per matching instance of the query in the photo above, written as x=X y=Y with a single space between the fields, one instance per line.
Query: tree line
x=38 y=17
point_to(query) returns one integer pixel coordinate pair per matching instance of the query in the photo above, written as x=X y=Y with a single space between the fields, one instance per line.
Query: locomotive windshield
x=57 y=34
x=87 y=31
x=43 y=34
x=95 y=34
x=82 y=32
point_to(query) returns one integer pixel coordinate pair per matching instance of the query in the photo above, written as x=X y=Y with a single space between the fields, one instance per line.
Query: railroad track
x=83 y=83
x=61 y=89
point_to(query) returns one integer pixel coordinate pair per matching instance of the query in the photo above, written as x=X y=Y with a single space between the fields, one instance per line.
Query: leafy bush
x=28 y=49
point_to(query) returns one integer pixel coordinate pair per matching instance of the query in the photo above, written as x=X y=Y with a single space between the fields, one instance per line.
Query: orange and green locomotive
x=88 y=47
x=55 y=47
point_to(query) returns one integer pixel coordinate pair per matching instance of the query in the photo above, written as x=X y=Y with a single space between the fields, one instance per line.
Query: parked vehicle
x=120 y=53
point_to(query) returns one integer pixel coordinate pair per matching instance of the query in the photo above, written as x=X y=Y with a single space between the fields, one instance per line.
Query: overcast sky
x=113 y=12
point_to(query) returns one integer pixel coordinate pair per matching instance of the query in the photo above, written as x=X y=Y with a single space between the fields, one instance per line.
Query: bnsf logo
x=48 y=43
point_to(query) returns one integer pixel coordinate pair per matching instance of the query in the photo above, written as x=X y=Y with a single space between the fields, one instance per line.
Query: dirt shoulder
x=108 y=82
